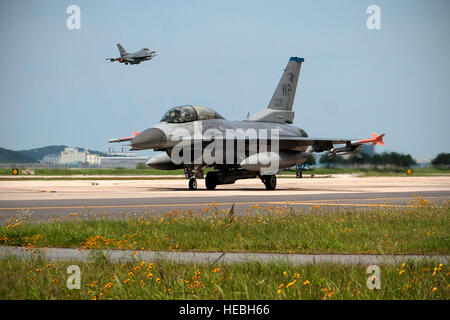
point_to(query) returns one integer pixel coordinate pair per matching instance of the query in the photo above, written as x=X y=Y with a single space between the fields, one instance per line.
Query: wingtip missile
x=376 y=139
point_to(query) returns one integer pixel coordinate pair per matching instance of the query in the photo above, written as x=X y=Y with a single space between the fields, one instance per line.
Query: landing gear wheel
x=192 y=184
x=211 y=181
x=270 y=182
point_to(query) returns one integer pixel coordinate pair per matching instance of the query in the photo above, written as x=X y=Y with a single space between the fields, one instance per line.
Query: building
x=115 y=159
x=122 y=162
x=93 y=159
x=72 y=156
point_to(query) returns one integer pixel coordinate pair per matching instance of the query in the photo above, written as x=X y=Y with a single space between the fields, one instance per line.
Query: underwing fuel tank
x=162 y=162
x=270 y=162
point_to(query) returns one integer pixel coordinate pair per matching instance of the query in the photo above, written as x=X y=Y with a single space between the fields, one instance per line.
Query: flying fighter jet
x=133 y=58
x=195 y=137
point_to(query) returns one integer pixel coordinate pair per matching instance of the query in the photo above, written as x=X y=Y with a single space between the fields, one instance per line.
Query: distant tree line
x=388 y=160
x=442 y=161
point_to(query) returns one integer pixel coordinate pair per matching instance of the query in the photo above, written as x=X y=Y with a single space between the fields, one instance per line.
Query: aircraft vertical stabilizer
x=122 y=51
x=280 y=106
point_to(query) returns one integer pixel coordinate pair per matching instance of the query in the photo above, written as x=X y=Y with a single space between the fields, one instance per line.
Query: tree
x=330 y=161
x=442 y=160
x=393 y=159
x=310 y=160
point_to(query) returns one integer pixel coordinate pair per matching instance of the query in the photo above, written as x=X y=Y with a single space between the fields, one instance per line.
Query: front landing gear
x=270 y=182
x=192 y=172
x=192 y=184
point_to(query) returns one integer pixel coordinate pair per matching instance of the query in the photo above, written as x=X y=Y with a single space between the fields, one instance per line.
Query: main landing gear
x=215 y=178
x=270 y=182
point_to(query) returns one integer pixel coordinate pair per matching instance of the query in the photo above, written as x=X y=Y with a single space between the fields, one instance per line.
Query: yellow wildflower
x=109 y=285
x=434 y=272
x=290 y=284
x=306 y=282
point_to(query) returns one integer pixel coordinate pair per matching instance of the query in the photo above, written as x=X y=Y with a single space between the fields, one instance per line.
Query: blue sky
x=228 y=55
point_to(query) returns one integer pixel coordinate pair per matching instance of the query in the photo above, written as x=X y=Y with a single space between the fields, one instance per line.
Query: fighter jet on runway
x=133 y=58
x=195 y=137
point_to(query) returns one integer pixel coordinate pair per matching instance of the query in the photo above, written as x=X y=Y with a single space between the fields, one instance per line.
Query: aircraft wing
x=320 y=144
x=376 y=139
x=317 y=144
x=139 y=56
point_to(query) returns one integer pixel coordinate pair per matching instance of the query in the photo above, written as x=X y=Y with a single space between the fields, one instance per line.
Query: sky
x=57 y=88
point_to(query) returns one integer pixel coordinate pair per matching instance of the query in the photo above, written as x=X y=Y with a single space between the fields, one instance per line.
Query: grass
x=416 y=229
x=102 y=280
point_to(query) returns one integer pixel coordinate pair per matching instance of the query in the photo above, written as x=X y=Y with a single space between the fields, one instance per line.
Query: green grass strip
x=417 y=229
x=102 y=280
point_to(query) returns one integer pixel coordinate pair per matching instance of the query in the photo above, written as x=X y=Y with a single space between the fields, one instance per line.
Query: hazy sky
x=56 y=87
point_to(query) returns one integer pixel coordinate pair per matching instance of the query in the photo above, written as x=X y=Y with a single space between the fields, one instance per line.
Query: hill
x=39 y=153
x=14 y=156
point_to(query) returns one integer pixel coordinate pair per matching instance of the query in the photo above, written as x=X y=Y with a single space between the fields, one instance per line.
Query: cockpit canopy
x=189 y=113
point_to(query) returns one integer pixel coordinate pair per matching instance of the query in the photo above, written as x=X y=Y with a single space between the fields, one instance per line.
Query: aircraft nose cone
x=152 y=138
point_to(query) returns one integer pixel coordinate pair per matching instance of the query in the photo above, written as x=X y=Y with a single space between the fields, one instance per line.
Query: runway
x=44 y=200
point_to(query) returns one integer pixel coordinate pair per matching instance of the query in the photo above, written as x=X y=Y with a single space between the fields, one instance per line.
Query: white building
x=72 y=155
x=93 y=159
